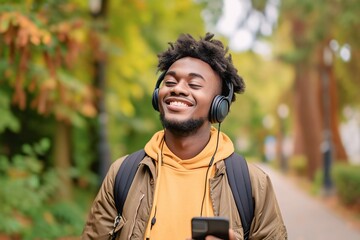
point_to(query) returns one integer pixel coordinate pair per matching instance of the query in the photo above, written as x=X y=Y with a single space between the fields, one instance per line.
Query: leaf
x=42 y=146
x=27 y=149
x=8 y=120
x=4 y=23
x=4 y=164
x=45 y=144
x=33 y=182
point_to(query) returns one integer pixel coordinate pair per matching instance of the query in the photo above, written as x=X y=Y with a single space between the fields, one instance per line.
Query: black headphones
x=220 y=106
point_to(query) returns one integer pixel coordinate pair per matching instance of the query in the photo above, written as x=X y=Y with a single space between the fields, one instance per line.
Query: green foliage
x=84 y=156
x=266 y=81
x=318 y=182
x=7 y=119
x=141 y=29
x=347 y=182
x=326 y=21
x=29 y=205
x=212 y=11
x=297 y=164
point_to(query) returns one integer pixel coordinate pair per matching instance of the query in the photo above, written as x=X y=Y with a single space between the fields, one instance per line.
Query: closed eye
x=170 y=83
x=195 y=86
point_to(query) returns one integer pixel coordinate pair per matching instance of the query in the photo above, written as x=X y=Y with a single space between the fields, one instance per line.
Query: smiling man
x=189 y=88
x=183 y=174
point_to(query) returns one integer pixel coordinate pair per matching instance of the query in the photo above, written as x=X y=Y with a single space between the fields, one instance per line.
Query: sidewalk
x=305 y=217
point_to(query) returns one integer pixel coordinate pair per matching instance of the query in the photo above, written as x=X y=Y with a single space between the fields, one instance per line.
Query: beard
x=184 y=128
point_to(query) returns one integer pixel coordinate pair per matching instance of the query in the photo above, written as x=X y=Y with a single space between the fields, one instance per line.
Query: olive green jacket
x=267 y=222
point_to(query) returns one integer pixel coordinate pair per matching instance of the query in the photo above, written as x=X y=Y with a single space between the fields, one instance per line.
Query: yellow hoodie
x=180 y=186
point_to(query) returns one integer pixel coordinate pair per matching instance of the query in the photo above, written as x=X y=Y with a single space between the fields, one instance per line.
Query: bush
x=298 y=164
x=30 y=207
x=347 y=183
x=317 y=183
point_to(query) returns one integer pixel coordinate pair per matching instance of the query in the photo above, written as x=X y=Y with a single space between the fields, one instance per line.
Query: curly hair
x=209 y=50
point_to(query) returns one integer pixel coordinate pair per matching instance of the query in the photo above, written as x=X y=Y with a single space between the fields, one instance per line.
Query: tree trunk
x=62 y=158
x=99 y=81
x=316 y=121
x=307 y=115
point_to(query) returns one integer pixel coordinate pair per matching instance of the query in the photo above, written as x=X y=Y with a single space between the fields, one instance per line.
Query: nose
x=181 y=88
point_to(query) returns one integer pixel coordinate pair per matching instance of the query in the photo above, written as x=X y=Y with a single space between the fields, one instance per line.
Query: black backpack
x=238 y=177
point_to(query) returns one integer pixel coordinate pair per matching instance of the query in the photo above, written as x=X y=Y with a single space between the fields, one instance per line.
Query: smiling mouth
x=178 y=104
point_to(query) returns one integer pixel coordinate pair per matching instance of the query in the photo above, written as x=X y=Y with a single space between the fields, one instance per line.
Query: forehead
x=189 y=65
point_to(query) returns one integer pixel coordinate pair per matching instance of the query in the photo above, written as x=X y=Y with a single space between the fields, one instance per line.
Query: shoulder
x=108 y=181
x=114 y=167
x=260 y=180
x=256 y=171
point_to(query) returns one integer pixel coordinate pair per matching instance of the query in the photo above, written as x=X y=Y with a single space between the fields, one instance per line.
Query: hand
x=231 y=236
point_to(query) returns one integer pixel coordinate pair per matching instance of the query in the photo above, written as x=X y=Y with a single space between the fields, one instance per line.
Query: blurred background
x=76 y=80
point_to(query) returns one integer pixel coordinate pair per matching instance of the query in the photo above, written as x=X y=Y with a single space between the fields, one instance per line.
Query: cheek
x=163 y=92
x=205 y=102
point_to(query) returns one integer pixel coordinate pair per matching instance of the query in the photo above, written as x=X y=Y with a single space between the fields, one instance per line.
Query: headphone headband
x=160 y=79
x=230 y=86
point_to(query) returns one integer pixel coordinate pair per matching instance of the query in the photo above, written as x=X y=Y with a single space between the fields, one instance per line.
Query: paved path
x=305 y=217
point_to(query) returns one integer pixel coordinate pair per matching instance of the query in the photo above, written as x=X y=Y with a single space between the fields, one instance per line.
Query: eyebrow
x=196 y=75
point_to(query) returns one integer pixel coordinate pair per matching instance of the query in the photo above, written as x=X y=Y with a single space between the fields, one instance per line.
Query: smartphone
x=204 y=226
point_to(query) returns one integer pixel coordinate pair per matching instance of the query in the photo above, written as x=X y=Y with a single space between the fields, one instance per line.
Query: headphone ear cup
x=219 y=109
x=155 y=96
x=155 y=99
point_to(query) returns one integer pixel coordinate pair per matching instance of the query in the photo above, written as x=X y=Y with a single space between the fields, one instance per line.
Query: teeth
x=178 y=104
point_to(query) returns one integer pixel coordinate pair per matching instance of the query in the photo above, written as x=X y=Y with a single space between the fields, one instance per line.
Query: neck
x=186 y=147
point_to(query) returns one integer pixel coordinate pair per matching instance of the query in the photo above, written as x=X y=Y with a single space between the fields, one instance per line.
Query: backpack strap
x=124 y=178
x=123 y=181
x=240 y=184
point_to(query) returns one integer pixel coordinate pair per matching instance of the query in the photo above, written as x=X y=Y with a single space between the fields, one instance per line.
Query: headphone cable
x=207 y=171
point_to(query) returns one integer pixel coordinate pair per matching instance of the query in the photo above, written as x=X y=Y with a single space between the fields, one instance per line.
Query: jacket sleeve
x=100 y=220
x=268 y=222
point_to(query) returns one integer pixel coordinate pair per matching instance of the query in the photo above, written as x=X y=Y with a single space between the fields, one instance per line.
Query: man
x=183 y=174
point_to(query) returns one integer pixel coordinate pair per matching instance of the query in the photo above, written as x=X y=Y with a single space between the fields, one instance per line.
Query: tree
x=48 y=49
x=312 y=26
x=40 y=42
x=316 y=81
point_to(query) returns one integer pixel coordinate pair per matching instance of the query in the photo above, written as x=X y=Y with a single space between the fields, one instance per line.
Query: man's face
x=185 y=97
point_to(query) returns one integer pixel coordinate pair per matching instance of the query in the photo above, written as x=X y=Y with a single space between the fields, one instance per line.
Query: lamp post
x=283 y=112
x=327 y=146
